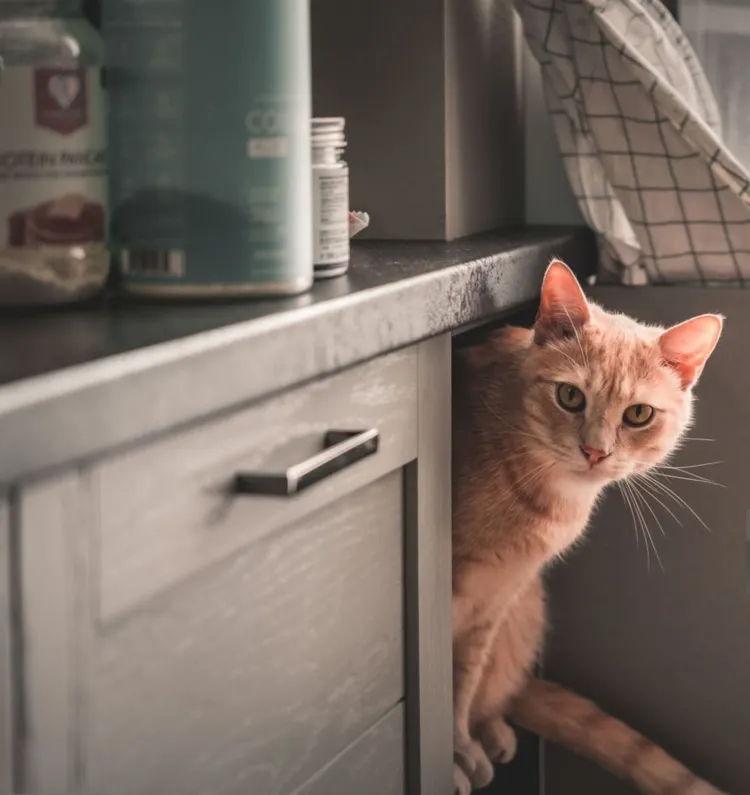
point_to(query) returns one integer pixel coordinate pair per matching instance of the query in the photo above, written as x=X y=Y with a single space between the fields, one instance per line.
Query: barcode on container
x=154 y=262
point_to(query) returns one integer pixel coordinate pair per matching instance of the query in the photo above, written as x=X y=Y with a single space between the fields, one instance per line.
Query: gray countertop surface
x=78 y=383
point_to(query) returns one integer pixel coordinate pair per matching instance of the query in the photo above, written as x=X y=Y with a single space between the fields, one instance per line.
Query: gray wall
x=669 y=651
x=483 y=116
x=720 y=33
x=447 y=125
x=431 y=94
x=549 y=198
x=367 y=68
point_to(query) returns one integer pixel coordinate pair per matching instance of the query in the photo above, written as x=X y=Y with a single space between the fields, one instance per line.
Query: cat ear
x=687 y=346
x=563 y=307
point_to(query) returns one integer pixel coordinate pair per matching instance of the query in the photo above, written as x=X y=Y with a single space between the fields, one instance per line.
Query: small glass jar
x=53 y=154
x=330 y=198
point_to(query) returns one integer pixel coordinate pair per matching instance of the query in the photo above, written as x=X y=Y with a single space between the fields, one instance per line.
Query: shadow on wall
x=549 y=199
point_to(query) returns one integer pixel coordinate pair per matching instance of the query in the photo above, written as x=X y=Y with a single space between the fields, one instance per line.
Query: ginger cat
x=544 y=419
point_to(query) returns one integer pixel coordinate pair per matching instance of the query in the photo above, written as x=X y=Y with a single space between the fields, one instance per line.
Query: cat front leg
x=470 y=655
x=515 y=648
x=484 y=591
x=474 y=624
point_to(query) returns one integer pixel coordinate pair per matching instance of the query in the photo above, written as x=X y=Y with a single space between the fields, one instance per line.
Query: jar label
x=331 y=216
x=53 y=157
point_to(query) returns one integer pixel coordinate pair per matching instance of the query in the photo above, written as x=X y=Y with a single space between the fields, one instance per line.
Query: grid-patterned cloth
x=639 y=132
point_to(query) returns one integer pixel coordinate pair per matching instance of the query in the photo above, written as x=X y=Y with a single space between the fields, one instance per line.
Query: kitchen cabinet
x=176 y=635
x=158 y=632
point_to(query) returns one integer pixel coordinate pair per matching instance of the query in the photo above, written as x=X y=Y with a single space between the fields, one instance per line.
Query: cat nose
x=592 y=455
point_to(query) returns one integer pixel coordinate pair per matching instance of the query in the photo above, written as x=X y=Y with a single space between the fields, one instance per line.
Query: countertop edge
x=84 y=411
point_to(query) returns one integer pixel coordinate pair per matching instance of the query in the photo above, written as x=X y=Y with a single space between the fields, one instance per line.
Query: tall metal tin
x=210 y=160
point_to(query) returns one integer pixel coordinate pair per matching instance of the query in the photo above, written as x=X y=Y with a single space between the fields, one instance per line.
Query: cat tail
x=574 y=722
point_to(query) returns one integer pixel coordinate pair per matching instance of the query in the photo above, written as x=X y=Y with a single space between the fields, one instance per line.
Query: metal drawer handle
x=342 y=449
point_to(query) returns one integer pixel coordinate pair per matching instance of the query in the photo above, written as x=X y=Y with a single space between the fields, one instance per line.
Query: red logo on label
x=60 y=99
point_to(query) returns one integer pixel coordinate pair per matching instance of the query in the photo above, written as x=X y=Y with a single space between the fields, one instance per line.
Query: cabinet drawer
x=254 y=674
x=164 y=510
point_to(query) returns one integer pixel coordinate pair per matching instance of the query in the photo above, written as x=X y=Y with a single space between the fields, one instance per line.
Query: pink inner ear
x=687 y=346
x=562 y=303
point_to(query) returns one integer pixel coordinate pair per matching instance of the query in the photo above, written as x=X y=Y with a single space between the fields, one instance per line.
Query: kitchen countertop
x=77 y=383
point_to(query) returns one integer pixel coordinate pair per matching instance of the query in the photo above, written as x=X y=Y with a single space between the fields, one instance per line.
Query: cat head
x=606 y=395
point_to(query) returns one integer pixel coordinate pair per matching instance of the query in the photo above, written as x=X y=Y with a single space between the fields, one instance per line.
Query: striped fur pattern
x=529 y=465
x=573 y=721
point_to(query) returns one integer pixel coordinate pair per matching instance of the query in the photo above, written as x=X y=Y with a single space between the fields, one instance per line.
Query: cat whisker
x=636 y=521
x=644 y=484
x=641 y=524
x=528 y=480
x=691 y=466
x=640 y=496
x=685 y=473
x=511 y=435
x=692 y=477
x=626 y=500
x=706 y=481
x=578 y=338
x=644 y=501
x=523 y=456
x=696 y=439
x=638 y=488
x=529 y=476
x=667 y=491
x=556 y=347
x=688 y=475
x=505 y=422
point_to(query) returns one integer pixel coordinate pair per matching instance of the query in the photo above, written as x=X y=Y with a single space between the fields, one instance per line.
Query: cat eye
x=570 y=397
x=638 y=415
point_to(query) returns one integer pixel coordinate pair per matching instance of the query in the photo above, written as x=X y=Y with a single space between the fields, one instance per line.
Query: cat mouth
x=602 y=472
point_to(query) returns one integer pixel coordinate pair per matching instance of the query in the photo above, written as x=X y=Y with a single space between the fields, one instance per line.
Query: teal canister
x=210 y=164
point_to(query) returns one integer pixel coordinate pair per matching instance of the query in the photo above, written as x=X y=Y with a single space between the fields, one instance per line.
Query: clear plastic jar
x=53 y=154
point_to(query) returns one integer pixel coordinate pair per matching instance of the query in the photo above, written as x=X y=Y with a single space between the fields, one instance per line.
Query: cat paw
x=471 y=758
x=461 y=783
x=499 y=741
x=483 y=773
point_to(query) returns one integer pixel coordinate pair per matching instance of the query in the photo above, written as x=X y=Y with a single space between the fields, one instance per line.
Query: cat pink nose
x=592 y=455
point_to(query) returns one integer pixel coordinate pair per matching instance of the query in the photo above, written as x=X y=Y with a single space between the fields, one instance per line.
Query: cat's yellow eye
x=638 y=415
x=570 y=397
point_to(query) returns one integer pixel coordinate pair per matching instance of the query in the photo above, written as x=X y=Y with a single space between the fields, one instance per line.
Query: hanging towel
x=640 y=136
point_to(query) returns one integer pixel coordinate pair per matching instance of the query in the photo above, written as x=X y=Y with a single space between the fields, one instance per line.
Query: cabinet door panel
x=373 y=765
x=254 y=674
